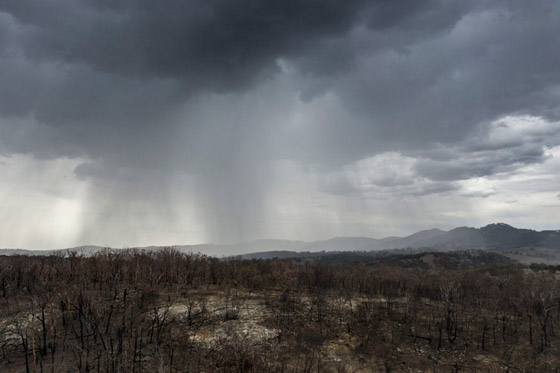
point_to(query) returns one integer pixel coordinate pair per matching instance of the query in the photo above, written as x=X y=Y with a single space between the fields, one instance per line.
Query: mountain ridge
x=495 y=236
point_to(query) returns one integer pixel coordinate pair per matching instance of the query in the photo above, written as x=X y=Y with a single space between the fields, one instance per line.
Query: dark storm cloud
x=210 y=88
x=493 y=61
x=411 y=72
x=99 y=79
x=434 y=75
x=220 y=45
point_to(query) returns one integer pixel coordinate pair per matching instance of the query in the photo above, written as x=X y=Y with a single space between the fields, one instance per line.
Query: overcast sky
x=129 y=123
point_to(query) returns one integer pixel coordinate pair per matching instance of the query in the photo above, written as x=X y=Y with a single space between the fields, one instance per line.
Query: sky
x=135 y=123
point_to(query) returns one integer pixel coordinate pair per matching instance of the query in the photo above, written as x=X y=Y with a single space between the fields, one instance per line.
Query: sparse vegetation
x=166 y=311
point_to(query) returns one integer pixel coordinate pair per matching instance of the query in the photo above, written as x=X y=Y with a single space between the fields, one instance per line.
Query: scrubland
x=166 y=311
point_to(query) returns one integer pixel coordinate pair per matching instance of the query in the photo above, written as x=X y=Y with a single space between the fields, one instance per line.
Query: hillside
x=493 y=237
x=166 y=311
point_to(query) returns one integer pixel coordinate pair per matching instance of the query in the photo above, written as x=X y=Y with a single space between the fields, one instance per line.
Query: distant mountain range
x=493 y=237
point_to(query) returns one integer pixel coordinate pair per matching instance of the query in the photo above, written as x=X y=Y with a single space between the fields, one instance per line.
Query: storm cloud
x=233 y=116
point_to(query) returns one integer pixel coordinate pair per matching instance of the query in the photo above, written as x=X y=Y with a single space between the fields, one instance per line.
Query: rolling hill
x=493 y=237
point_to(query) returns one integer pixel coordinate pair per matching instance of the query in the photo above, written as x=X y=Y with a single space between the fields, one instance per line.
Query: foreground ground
x=170 y=312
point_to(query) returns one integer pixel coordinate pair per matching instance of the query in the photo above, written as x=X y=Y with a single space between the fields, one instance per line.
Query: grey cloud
x=431 y=188
x=408 y=72
x=438 y=87
x=497 y=147
x=215 y=44
x=342 y=187
x=338 y=185
x=479 y=194
x=387 y=175
x=466 y=165
x=409 y=87
x=214 y=89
